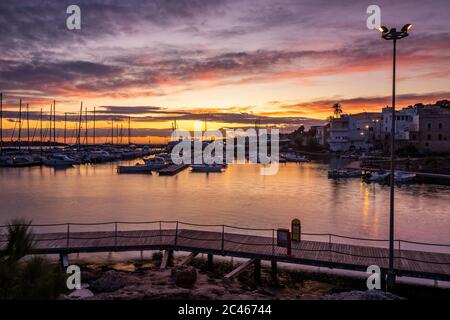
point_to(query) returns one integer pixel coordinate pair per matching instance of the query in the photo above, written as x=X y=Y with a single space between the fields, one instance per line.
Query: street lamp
x=393 y=35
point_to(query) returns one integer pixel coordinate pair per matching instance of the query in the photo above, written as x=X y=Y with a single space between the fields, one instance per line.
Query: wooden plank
x=165 y=260
x=239 y=270
x=188 y=259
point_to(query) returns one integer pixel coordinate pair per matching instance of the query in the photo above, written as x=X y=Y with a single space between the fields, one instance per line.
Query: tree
x=337 y=110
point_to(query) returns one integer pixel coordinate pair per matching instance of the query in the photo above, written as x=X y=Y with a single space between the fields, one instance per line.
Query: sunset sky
x=281 y=62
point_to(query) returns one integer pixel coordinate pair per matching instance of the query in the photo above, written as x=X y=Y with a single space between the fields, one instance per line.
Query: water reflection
x=240 y=196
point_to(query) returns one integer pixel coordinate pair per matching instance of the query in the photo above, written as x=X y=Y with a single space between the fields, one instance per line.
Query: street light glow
x=406 y=27
x=383 y=29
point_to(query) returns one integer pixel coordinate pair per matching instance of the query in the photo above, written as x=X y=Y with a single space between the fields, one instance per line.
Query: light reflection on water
x=240 y=196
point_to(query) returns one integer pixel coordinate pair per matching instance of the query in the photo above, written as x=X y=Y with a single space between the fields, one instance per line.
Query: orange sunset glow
x=221 y=62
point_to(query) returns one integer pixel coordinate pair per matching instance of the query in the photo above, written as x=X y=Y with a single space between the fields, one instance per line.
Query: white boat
x=59 y=160
x=137 y=168
x=207 y=167
x=402 y=177
x=292 y=157
x=20 y=160
x=155 y=163
x=378 y=176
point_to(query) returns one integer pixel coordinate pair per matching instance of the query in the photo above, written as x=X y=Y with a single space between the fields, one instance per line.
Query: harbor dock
x=173 y=169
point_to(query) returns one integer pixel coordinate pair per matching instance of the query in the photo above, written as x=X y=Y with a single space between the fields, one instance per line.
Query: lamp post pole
x=393 y=35
x=391 y=273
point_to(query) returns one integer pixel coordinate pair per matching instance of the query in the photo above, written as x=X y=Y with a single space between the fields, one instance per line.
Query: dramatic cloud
x=184 y=56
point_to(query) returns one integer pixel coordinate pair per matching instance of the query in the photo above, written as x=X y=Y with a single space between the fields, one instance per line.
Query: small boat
x=59 y=160
x=344 y=173
x=403 y=177
x=137 y=168
x=384 y=176
x=155 y=163
x=20 y=160
x=377 y=176
x=207 y=167
x=292 y=157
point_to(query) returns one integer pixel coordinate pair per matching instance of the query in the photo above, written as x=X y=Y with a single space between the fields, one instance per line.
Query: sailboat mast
x=1 y=123
x=86 y=129
x=94 y=129
x=42 y=140
x=117 y=134
x=79 y=125
x=129 y=130
x=65 y=127
x=50 y=126
x=54 y=122
x=112 y=131
x=28 y=126
x=20 y=121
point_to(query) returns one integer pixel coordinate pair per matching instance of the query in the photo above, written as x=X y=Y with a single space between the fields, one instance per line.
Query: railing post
x=176 y=234
x=223 y=239
x=68 y=236
x=329 y=249
x=160 y=234
x=399 y=248
x=115 y=235
x=273 y=243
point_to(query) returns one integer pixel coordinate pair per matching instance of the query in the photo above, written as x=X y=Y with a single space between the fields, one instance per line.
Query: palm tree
x=337 y=109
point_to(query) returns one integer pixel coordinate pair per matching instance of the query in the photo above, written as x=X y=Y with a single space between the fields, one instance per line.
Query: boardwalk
x=431 y=265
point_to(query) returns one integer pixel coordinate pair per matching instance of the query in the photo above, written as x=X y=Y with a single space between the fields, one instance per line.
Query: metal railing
x=217 y=234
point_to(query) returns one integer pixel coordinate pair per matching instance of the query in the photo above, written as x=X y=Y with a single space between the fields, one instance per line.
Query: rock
x=80 y=294
x=184 y=276
x=362 y=295
x=110 y=281
x=168 y=294
x=88 y=276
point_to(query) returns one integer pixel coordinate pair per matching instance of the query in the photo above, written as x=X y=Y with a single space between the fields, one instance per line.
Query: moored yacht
x=155 y=163
x=59 y=160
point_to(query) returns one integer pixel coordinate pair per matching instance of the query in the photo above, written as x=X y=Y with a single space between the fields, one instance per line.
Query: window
x=429 y=126
x=429 y=137
x=440 y=137
x=440 y=125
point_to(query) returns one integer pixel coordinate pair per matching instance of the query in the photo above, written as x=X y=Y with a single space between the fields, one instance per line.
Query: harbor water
x=240 y=196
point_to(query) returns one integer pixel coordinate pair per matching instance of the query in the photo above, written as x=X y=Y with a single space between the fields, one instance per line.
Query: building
x=406 y=121
x=321 y=134
x=355 y=132
x=433 y=133
x=427 y=128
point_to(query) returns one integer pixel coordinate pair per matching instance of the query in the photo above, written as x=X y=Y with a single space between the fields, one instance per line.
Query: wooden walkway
x=173 y=169
x=430 y=265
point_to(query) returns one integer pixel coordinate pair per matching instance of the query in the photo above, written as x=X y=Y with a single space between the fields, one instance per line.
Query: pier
x=256 y=245
x=173 y=169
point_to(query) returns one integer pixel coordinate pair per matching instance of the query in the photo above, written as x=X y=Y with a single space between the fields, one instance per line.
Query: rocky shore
x=144 y=281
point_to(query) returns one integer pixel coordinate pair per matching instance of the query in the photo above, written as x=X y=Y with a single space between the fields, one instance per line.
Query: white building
x=355 y=132
x=406 y=121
